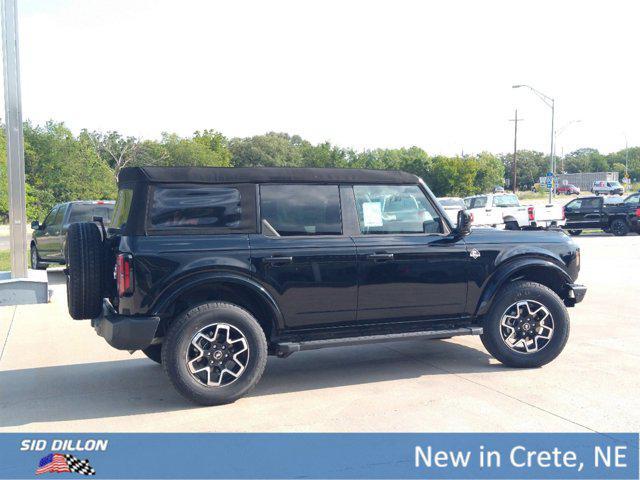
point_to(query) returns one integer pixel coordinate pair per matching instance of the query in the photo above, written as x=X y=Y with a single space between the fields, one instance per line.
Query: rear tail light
x=638 y=213
x=532 y=214
x=124 y=274
x=471 y=217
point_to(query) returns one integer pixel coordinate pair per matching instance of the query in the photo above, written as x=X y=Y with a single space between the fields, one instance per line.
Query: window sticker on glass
x=372 y=213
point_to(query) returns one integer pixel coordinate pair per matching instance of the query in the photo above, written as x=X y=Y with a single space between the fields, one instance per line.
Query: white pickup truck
x=503 y=210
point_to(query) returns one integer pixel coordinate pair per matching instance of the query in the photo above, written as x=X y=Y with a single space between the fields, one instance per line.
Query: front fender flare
x=189 y=283
x=511 y=267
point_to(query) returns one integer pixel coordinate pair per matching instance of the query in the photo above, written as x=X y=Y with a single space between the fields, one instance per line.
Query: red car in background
x=568 y=190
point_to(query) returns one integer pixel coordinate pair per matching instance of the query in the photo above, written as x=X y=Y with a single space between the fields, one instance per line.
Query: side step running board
x=285 y=349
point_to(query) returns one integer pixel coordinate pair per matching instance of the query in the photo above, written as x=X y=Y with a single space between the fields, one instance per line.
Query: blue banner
x=313 y=455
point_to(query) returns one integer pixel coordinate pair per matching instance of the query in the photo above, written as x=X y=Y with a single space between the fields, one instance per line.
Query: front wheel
x=527 y=325
x=36 y=264
x=214 y=353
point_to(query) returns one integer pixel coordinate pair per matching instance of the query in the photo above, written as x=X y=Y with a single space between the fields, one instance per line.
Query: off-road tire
x=514 y=292
x=36 y=264
x=154 y=352
x=619 y=227
x=85 y=264
x=574 y=233
x=178 y=341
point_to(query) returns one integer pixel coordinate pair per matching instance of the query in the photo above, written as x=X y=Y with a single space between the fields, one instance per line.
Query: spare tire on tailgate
x=85 y=264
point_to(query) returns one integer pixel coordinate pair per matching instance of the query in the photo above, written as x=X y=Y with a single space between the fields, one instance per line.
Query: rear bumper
x=122 y=331
x=548 y=223
x=575 y=294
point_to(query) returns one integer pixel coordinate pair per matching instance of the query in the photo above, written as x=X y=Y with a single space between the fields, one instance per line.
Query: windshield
x=614 y=184
x=506 y=201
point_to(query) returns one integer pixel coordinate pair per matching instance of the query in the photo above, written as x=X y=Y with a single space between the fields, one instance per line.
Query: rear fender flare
x=510 y=268
x=169 y=297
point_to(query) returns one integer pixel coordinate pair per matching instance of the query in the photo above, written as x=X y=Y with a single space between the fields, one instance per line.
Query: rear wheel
x=85 y=264
x=574 y=232
x=214 y=353
x=619 y=227
x=527 y=325
x=36 y=264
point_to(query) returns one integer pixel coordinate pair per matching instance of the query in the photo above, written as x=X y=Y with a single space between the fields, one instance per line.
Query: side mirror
x=464 y=223
x=35 y=225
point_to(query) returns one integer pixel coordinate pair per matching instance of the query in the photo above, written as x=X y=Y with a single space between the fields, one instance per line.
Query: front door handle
x=380 y=257
x=277 y=260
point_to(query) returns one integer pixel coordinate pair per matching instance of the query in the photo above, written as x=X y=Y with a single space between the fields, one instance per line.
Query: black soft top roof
x=262 y=175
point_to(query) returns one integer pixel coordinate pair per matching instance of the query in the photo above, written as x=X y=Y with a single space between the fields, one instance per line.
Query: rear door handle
x=380 y=257
x=277 y=260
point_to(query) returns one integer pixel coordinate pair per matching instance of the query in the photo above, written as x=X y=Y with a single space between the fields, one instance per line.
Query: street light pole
x=551 y=103
x=15 y=140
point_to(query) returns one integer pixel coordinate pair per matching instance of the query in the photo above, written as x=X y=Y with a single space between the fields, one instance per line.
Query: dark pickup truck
x=48 y=241
x=209 y=270
x=595 y=213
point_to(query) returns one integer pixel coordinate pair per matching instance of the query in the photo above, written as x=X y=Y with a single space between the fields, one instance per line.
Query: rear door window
x=195 y=207
x=590 y=203
x=300 y=210
x=476 y=202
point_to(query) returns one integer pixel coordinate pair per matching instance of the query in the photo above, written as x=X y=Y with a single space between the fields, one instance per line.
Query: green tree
x=60 y=167
x=489 y=173
x=269 y=150
x=531 y=166
x=114 y=149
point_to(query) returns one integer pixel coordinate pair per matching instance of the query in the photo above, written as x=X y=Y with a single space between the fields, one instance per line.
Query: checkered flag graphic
x=79 y=466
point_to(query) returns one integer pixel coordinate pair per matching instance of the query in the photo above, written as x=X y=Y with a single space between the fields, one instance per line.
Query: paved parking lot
x=57 y=375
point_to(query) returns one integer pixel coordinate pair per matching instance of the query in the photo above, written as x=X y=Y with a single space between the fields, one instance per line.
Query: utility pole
x=515 y=121
x=15 y=140
x=551 y=103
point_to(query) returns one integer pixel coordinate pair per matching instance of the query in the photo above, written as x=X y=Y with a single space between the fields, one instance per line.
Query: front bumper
x=122 y=331
x=575 y=294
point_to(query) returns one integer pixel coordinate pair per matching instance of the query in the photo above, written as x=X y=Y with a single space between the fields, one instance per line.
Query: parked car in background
x=595 y=213
x=451 y=206
x=601 y=187
x=498 y=189
x=483 y=214
x=49 y=238
x=567 y=190
x=503 y=210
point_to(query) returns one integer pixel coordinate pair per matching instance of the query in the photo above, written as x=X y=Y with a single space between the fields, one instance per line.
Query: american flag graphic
x=61 y=463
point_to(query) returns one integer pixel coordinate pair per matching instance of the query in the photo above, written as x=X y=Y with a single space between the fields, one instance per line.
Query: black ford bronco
x=210 y=270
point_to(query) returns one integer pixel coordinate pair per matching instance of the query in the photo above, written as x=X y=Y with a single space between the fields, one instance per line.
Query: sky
x=360 y=74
